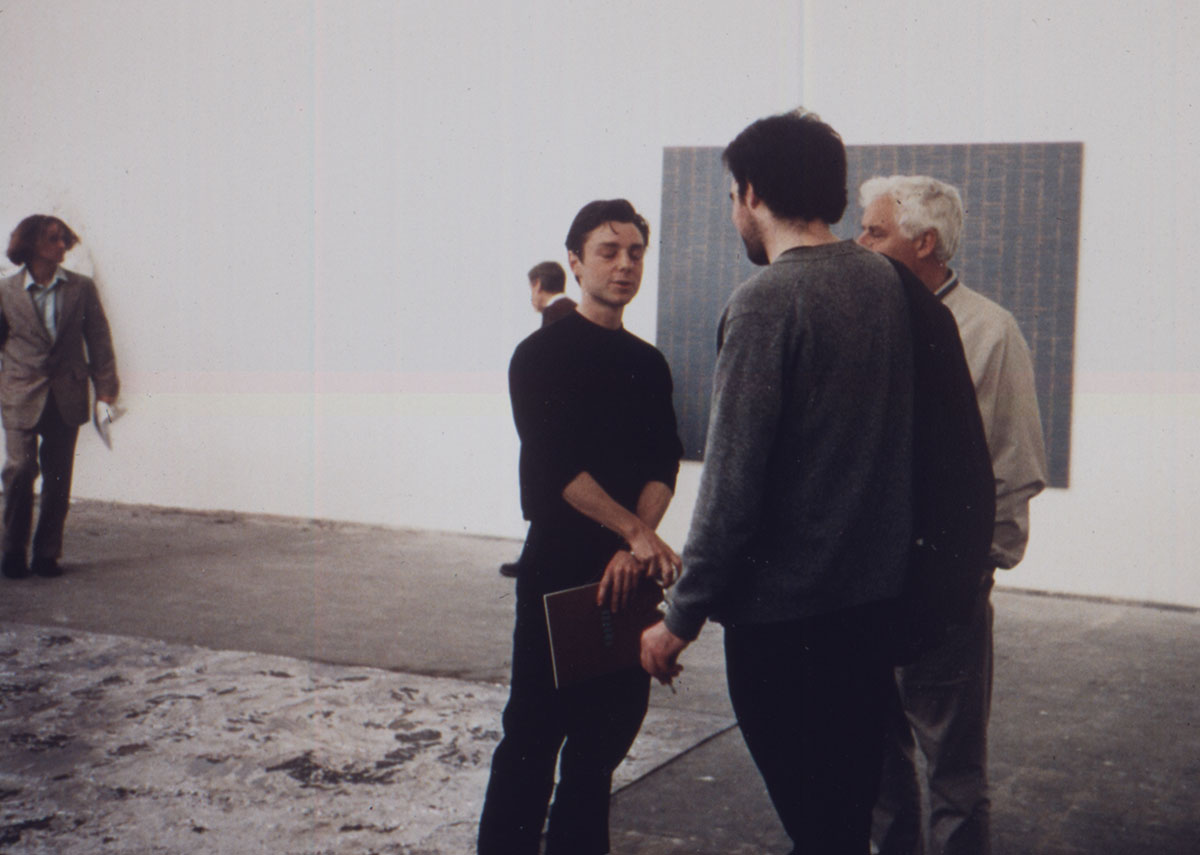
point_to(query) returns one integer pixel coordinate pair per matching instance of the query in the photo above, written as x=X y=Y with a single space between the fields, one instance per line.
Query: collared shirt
x=948 y=286
x=45 y=299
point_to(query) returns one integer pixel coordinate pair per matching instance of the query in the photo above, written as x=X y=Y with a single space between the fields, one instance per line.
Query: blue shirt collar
x=59 y=276
x=948 y=286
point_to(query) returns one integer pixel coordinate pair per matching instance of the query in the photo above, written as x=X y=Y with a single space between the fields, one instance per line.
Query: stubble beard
x=752 y=240
x=755 y=251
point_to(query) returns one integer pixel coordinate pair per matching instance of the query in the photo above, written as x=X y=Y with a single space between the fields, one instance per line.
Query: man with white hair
x=946 y=694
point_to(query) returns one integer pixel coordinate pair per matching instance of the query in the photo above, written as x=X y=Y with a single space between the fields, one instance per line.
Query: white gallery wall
x=311 y=223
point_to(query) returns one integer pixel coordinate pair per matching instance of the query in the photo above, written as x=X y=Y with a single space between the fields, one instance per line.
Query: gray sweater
x=804 y=504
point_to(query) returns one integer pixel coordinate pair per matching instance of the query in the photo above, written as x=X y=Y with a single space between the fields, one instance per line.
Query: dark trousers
x=592 y=723
x=57 y=456
x=810 y=697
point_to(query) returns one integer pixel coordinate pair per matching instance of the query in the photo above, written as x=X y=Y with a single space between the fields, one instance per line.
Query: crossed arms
x=648 y=555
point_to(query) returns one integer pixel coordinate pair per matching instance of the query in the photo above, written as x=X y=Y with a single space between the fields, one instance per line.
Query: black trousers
x=592 y=724
x=56 y=453
x=810 y=697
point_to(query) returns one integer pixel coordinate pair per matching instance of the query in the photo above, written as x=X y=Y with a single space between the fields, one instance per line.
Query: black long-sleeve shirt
x=587 y=399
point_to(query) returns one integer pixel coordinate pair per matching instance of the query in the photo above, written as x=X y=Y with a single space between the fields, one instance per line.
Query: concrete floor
x=1094 y=745
x=1095 y=739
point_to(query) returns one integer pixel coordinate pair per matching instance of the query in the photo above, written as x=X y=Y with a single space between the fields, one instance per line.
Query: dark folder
x=587 y=640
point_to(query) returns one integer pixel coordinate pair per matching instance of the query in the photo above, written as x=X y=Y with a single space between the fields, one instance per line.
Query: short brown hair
x=595 y=214
x=549 y=276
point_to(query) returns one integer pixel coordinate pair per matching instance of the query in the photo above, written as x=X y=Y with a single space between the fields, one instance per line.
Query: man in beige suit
x=53 y=338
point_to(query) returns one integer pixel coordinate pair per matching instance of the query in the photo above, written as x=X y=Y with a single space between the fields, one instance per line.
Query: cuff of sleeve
x=684 y=626
x=668 y=475
x=560 y=477
x=542 y=489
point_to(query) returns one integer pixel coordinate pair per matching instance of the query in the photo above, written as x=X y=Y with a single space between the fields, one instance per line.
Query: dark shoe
x=509 y=570
x=13 y=565
x=47 y=567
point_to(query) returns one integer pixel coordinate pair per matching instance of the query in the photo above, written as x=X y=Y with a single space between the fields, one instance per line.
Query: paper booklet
x=587 y=640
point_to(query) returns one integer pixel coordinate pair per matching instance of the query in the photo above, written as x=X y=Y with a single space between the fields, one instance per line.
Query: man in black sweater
x=599 y=457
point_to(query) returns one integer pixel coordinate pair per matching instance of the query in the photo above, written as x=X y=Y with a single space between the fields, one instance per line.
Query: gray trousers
x=945 y=698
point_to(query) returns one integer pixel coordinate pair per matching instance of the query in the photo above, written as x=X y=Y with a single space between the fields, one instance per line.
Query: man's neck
x=601 y=314
x=934 y=275
x=782 y=235
x=42 y=272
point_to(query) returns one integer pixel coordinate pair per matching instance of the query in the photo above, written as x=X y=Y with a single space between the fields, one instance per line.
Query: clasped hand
x=648 y=556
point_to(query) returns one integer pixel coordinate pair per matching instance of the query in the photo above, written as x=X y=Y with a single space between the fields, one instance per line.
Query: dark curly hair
x=797 y=165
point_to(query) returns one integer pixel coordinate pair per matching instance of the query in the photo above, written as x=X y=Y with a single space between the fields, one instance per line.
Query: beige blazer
x=33 y=364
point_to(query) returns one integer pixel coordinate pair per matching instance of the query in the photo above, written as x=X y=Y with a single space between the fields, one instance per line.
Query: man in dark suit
x=54 y=337
x=547 y=286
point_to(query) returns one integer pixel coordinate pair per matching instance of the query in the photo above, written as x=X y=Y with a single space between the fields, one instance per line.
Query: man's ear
x=926 y=243
x=750 y=198
x=575 y=263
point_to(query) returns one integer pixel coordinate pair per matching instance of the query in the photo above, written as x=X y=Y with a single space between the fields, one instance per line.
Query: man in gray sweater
x=800 y=534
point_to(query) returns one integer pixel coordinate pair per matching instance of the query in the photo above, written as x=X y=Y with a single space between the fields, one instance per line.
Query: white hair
x=922 y=203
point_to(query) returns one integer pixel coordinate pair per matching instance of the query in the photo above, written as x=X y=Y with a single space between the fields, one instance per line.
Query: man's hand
x=585 y=495
x=104 y=413
x=660 y=650
x=660 y=560
x=621 y=579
